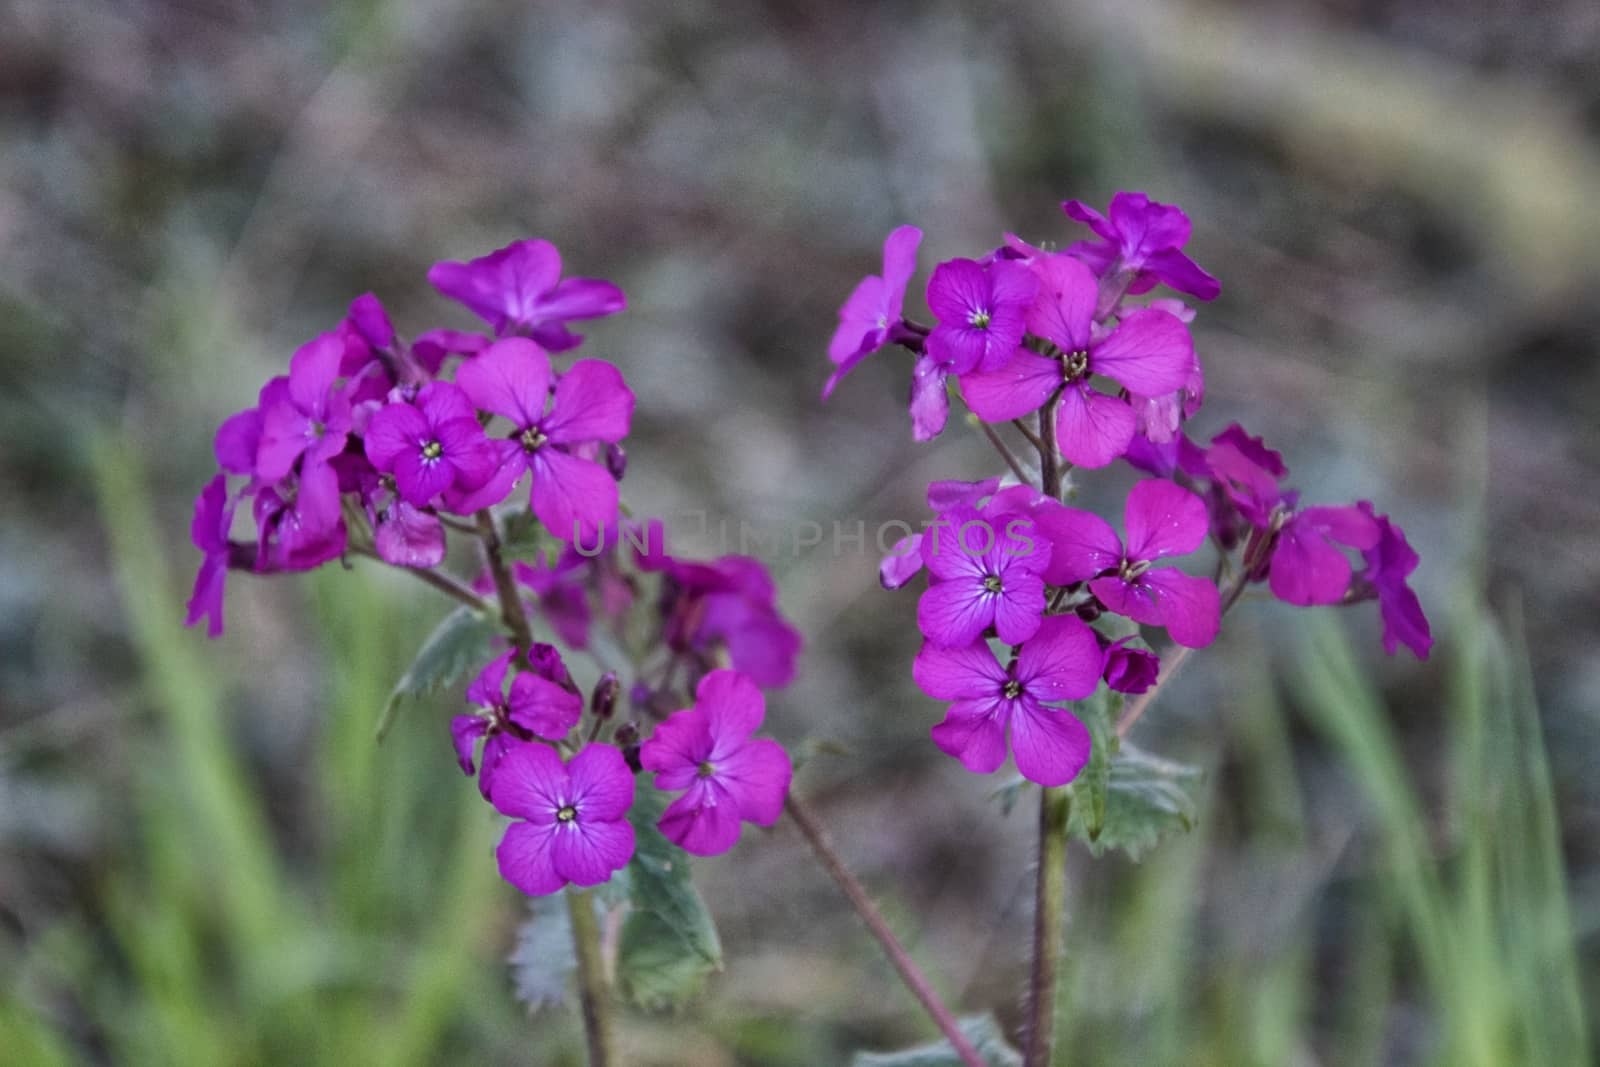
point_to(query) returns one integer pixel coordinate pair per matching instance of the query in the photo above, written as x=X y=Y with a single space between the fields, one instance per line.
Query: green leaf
x=668 y=944
x=1147 y=798
x=522 y=537
x=457 y=645
x=984 y=1033
x=1089 y=789
x=542 y=963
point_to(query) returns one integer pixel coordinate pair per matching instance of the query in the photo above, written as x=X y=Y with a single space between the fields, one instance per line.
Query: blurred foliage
x=204 y=858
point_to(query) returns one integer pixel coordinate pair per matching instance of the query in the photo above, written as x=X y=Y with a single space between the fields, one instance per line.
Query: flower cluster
x=375 y=446
x=1065 y=347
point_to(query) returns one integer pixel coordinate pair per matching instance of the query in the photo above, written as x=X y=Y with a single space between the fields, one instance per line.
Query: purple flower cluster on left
x=377 y=446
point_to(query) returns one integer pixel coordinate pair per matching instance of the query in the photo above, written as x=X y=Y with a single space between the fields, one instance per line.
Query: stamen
x=532 y=439
x=991 y=583
x=1012 y=689
x=432 y=450
x=706 y=769
x=566 y=813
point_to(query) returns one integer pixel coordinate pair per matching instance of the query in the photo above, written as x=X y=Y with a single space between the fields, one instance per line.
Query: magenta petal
x=510 y=378
x=1082 y=544
x=543 y=708
x=410 y=538
x=1019 y=607
x=956 y=612
x=757 y=776
x=957 y=349
x=587 y=851
x=1064 y=312
x=582 y=298
x=1347 y=525
x=1021 y=387
x=1306 y=568
x=902 y=563
x=509 y=461
x=312 y=371
x=592 y=403
x=1150 y=352
x=733 y=705
x=464 y=733
x=602 y=784
x=574 y=498
x=419 y=480
x=974 y=732
x=526 y=859
x=488 y=688
x=702 y=823
x=1183 y=274
x=958 y=673
x=1187 y=606
x=1051 y=745
x=676 y=749
x=394 y=431
x=858 y=317
x=944 y=495
x=285 y=432
x=1092 y=429
x=237 y=440
x=956 y=289
x=930 y=402
x=1163 y=519
x=899 y=264
x=1063 y=661
x=530 y=783
x=205 y=600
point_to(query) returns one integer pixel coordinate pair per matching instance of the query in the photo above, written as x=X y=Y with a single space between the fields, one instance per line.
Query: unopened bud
x=616 y=460
x=604 y=698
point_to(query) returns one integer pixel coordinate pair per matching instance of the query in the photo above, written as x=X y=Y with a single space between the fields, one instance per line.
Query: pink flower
x=575 y=498
x=982 y=312
x=986 y=572
x=1061 y=662
x=433 y=446
x=305 y=415
x=872 y=312
x=1162 y=520
x=541 y=703
x=1142 y=236
x=572 y=825
x=1149 y=353
x=727 y=776
x=519 y=288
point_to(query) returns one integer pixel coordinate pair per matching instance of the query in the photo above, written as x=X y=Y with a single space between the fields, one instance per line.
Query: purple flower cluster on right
x=1032 y=603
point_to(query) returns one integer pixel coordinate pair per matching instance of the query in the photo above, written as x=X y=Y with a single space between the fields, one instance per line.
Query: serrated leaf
x=1089 y=789
x=984 y=1033
x=1147 y=799
x=522 y=537
x=457 y=645
x=669 y=943
x=542 y=963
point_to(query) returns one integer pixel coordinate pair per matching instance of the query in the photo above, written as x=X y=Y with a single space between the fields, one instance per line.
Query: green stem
x=591 y=976
x=1049 y=917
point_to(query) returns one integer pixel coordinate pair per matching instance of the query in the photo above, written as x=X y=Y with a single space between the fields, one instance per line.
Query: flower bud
x=603 y=701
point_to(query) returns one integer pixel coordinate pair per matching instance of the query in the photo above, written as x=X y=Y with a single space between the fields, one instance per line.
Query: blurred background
x=204 y=859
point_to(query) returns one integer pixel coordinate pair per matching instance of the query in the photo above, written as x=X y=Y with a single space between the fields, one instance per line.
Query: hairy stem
x=1049 y=916
x=909 y=972
x=447 y=585
x=1005 y=453
x=585 y=930
x=1050 y=889
x=591 y=976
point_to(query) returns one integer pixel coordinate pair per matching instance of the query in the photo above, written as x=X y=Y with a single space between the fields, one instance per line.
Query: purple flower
x=1162 y=519
x=575 y=498
x=239 y=438
x=1142 y=236
x=213 y=516
x=727 y=776
x=904 y=560
x=539 y=704
x=730 y=603
x=1061 y=662
x=873 y=310
x=298 y=522
x=431 y=446
x=572 y=818
x=1306 y=567
x=1388 y=564
x=982 y=312
x=1130 y=670
x=407 y=536
x=986 y=572
x=306 y=415
x=519 y=288
x=1149 y=353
